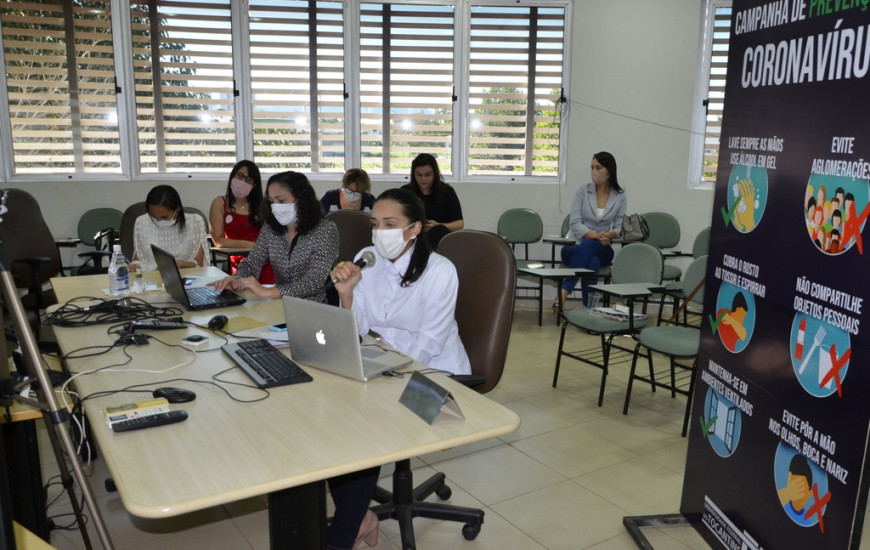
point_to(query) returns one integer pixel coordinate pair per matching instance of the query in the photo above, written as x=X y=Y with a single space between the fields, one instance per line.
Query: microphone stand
x=56 y=418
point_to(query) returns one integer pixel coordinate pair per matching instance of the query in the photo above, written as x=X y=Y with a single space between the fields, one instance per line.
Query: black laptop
x=202 y=297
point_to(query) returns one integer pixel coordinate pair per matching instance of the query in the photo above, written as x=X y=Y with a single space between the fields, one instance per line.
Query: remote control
x=159 y=324
x=149 y=421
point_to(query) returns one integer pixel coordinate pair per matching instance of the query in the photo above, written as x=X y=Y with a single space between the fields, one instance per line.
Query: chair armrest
x=34 y=263
x=469 y=380
x=94 y=254
x=676 y=254
x=68 y=242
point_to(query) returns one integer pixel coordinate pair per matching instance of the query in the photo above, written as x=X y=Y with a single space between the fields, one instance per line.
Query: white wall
x=635 y=58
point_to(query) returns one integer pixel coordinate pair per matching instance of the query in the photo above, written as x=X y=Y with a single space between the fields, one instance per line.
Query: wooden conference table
x=285 y=445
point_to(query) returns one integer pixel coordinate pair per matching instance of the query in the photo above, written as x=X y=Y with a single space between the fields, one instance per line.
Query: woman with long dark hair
x=440 y=202
x=596 y=219
x=296 y=239
x=234 y=217
x=409 y=295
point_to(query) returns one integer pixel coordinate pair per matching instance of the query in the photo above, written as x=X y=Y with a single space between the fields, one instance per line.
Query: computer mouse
x=218 y=322
x=174 y=395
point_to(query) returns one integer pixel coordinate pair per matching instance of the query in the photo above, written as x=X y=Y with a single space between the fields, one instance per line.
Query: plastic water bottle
x=119 y=274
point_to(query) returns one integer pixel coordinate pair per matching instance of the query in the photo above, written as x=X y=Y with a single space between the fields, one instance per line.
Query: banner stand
x=633 y=525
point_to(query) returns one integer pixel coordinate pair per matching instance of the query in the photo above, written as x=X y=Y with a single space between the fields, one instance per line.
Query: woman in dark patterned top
x=301 y=245
x=443 y=211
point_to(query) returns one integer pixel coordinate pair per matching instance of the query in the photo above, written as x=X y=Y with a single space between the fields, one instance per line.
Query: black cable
x=70 y=314
x=160 y=383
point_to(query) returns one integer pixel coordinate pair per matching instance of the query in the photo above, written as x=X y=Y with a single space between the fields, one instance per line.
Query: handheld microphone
x=368 y=259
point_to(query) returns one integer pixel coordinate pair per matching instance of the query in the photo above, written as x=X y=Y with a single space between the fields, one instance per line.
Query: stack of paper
x=617 y=313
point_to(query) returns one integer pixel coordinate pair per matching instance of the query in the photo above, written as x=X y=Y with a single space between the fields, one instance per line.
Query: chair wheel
x=470 y=531
x=444 y=492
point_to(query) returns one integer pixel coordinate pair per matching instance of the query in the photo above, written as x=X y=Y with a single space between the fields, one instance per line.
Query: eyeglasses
x=246 y=179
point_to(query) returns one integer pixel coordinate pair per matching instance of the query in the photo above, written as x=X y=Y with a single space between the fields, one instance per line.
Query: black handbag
x=634 y=228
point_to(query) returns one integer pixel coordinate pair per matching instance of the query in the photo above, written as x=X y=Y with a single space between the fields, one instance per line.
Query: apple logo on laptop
x=321 y=339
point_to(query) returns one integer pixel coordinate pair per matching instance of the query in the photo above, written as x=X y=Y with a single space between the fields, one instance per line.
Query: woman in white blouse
x=166 y=226
x=409 y=295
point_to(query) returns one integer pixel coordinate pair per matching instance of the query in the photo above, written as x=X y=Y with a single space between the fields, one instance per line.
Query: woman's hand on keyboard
x=230 y=283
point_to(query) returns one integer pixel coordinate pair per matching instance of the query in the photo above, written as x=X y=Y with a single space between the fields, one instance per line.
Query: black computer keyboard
x=266 y=366
x=200 y=295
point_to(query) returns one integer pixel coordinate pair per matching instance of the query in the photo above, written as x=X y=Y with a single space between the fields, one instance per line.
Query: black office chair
x=484 y=310
x=33 y=254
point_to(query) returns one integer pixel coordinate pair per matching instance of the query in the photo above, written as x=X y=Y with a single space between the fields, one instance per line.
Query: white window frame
x=126 y=101
x=697 y=141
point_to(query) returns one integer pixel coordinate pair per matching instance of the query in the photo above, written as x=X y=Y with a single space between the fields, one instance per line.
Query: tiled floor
x=563 y=480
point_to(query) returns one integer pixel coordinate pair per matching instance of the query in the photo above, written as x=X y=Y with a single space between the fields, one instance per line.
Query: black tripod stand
x=56 y=418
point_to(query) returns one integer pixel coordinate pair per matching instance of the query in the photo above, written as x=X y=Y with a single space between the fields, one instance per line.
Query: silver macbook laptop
x=326 y=337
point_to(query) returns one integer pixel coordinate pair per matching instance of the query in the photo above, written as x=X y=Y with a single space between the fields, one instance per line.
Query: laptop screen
x=171 y=275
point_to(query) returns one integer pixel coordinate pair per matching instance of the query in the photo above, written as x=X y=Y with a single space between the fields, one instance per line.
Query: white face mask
x=389 y=242
x=284 y=213
x=351 y=196
x=165 y=224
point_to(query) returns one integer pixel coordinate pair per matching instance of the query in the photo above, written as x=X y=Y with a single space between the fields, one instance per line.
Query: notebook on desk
x=326 y=337
x=193 y=298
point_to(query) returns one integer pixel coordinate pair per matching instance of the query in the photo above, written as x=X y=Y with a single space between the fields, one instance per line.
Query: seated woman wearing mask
x=300 y=244
x=353 y=194
x=303 y=246
x=166 y=226
x=409 y=295
x=234 y=217
x=596 y=219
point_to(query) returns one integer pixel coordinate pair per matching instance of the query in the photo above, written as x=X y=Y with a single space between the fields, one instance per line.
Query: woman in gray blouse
x=596 y=219
x=299 y=242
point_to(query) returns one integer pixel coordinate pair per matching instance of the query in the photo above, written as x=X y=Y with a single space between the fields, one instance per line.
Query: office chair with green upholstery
x=354 y=232
x=638 y=263
x=676 y=289
x=664 y=232
x=484 y=310
x=676 y=342
x=701 y=244
x=562 y=232
x=520 y=226
x=524 y=227
x=95 y=225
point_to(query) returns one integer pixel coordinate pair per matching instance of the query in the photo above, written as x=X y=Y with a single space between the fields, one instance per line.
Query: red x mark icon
x=852 y=226
x=817 y=506
x=836 y=365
